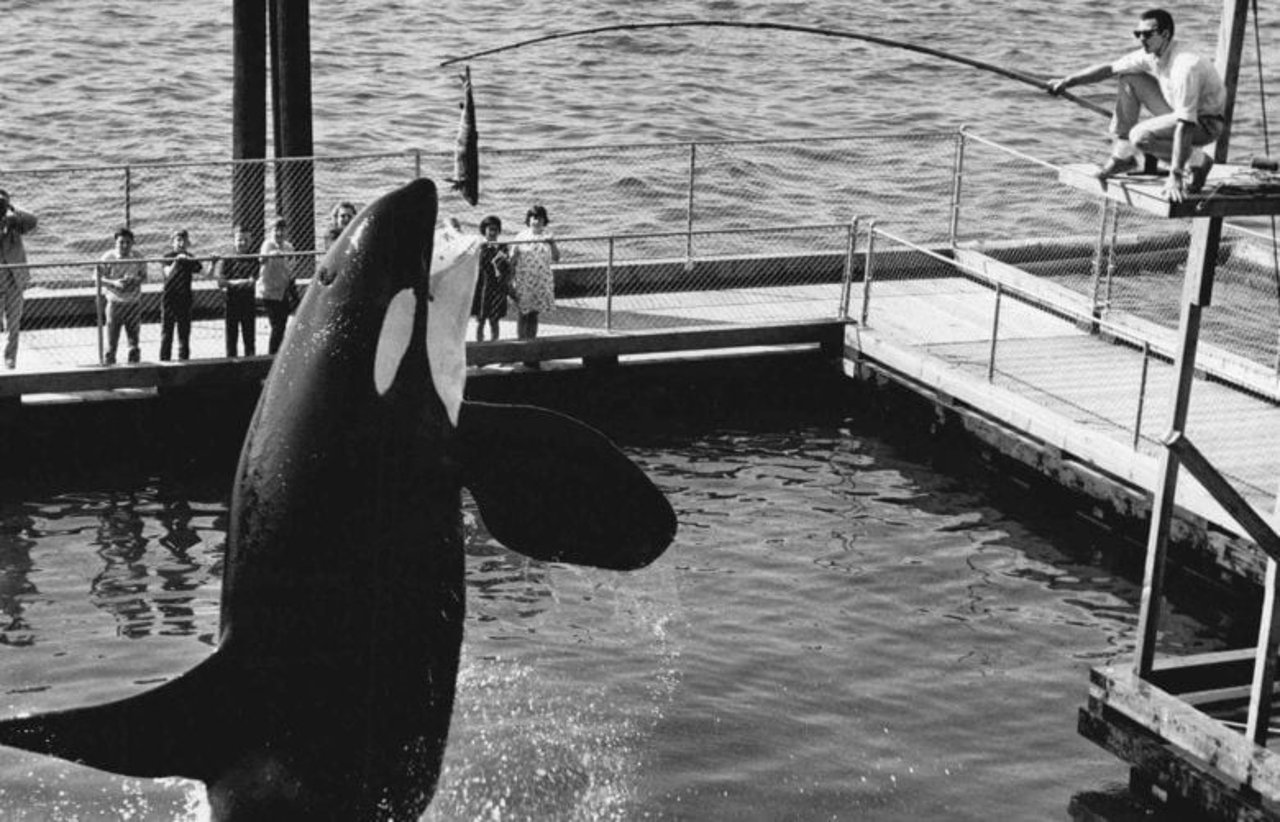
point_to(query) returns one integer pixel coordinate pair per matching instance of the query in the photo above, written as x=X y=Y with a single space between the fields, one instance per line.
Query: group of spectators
x=516 y=275
x=247 y=280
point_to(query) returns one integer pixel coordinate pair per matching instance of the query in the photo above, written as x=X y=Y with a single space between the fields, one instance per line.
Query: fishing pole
x=1029 y=79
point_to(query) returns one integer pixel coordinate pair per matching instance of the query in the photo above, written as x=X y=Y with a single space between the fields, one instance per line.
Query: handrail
x=1115 y=330
x=497 y=152
x=568 y=240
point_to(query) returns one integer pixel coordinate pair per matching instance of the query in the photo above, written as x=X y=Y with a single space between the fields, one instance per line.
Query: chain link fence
x=1046 y=338
x=658 y=235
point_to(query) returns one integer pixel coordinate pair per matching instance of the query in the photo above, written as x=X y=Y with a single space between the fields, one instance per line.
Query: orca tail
x=158 y=733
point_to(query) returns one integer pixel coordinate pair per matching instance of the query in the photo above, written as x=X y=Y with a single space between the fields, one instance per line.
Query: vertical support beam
x=1142 y=394
x=248 y=113
x=995 y=334
x=868 y=273
x=1197 y=292
x=608 y=290
x=1264 y=664
x=1099 y=265
x=1230 y=46
x=688 y=239
x=1197 y=289
x=957 y=177
x=291 y=105
x=846 y=289
x=128 y=197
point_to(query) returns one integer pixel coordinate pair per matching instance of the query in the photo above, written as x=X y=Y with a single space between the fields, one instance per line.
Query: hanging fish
x=466 y=152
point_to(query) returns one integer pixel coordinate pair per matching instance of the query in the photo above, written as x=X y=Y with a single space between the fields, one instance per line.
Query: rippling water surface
x=840 y=632
x=90 y=81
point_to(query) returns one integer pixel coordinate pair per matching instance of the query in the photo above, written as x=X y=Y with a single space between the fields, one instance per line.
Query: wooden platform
x=1230 y=191
x=1071 y=396
x=1182 y=739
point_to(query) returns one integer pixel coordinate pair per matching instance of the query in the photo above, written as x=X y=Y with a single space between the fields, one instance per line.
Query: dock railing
x=1034 y=364
x=1128 y=263
x=635 y=281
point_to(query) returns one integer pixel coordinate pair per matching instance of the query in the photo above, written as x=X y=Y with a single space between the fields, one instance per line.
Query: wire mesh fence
x=653 y=236
x=710 y=221
x=1128 y=263
x=1067 y=357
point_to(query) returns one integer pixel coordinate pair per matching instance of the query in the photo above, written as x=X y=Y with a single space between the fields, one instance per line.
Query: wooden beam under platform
x=1230 y=191
x=1208 y=765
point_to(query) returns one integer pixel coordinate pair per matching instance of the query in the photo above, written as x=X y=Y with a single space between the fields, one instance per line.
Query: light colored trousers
x=1155 y=134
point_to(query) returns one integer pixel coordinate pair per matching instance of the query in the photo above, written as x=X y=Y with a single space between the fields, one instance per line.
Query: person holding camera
x=14 y=275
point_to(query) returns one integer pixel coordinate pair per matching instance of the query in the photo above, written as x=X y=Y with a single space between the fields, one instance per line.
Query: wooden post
x=291 y=107
x=248 y=113
x=1197 y=292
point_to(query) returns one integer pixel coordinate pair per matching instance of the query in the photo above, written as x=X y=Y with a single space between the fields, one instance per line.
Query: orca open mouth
x=452 y=283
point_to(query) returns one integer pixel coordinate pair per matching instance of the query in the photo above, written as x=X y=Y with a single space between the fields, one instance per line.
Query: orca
x=330 y=692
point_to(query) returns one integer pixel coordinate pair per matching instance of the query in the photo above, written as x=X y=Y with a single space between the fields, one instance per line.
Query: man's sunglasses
x=1143 y=34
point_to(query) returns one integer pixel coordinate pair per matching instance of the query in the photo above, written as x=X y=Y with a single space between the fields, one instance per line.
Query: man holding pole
x=1184 y=94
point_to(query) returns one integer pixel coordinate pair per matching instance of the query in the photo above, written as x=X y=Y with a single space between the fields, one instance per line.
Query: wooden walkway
x=1075 y=392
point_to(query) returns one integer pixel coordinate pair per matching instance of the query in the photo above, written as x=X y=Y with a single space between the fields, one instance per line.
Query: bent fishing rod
x=1030 y=80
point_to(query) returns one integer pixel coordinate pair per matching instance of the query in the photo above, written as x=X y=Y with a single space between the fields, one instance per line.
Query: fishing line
x=1011 y=74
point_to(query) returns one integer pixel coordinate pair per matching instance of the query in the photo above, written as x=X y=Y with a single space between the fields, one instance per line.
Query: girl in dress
x=532 y=281
x=493 y=280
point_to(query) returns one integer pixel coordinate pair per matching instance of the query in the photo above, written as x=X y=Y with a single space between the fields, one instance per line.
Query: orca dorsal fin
x=555 y=489
x=157 y=733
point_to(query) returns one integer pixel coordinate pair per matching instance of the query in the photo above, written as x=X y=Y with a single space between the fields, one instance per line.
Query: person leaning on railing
x=14 y=276
x=275 y=279
x=236 y=274
x=175 y=302
x=121 y=273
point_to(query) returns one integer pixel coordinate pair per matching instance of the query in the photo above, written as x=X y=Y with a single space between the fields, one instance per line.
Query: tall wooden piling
x=248 y=113
x=291 y=110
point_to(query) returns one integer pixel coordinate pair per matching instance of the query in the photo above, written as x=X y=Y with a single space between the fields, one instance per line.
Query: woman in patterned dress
x=533 y=283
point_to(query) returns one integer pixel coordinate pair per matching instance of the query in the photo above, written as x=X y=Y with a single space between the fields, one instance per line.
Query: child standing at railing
x=493 y=280
x=236 y=276
x=533 y=281
x=274 y=281
x=175 y=302
x=121 y=274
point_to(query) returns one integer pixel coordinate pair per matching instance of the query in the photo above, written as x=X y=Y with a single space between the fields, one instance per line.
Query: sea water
x=840 y=631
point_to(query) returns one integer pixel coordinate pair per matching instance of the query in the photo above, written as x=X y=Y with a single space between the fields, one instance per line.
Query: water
x=840 y=632
x=90 y=81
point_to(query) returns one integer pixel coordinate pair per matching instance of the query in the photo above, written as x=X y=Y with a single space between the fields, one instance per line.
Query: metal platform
x=1230 y=191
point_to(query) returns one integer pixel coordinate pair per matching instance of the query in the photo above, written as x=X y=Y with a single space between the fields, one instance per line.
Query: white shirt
x=1190 y=84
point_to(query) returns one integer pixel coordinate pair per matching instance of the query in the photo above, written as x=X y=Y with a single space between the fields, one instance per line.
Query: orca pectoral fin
x=556 y=489
x=154 y=734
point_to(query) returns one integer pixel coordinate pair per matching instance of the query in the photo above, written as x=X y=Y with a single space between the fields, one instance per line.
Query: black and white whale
x=330 y=693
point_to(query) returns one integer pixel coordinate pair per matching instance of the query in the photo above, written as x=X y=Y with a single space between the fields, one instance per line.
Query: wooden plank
x=1146 y=193
x=192 y=373
x=597 y=346
x=1187 y=729
x=1255 y=526
x=1212 y=794
x=1032 y=417
x=1230 y=368
x=1198 y=672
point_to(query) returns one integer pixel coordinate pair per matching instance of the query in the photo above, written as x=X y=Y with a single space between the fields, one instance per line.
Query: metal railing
x=603 y=283
x=891 y=257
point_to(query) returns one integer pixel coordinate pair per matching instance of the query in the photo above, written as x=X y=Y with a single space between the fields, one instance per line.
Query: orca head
x=395 y=282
